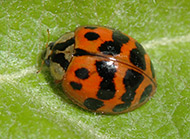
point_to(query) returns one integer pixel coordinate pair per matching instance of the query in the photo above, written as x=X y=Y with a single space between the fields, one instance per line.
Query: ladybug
x=102 y=69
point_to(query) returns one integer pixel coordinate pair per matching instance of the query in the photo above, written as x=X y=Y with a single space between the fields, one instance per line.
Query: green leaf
x=32 y=106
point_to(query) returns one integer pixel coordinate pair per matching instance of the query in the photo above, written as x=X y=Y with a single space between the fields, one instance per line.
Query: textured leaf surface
x=32 y=106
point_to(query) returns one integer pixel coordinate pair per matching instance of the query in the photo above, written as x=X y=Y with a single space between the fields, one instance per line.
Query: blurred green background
x=32 y=106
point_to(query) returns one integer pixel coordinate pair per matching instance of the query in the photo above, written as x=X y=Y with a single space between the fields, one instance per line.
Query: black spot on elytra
x=91 y=36
x=60 y=58
x=109 y=48
x=62 y=46
x=119 y=38
x=114 y=47
x=140 y=48
x=137 y=58
x=131 y=81
x=146 y=93
x=121 y=107
x=93 y=104
x=106 y=70
x=152 y=69
x=129 y=95
x=90 y=27
x=76 y=86
x=82 y=73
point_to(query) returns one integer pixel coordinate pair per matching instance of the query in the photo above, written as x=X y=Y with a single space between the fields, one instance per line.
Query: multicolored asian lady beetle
x=102 y=69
